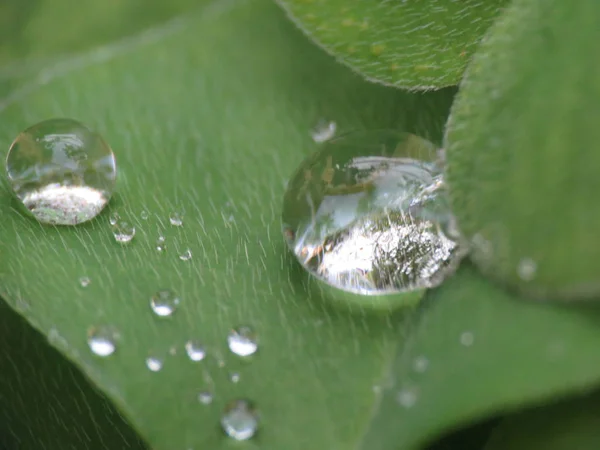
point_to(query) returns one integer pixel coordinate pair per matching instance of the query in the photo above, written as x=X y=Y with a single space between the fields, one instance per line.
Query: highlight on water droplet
x=368 y=213
x=176 y=219
x=242 y=341
x=164 y=302
x=323 y=131
x=186 y=255
x=84 y=281
x=154 y=363
x=205 y=397
x=161 y=244
x=526 y=269
x=102 y=340
x=114 y=218
x=240 y=420
x=195 y=350
x=123 y=232
x=62 y=172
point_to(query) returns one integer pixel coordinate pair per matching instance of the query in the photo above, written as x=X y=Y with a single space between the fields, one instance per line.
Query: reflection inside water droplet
x=102 y=340
x=62 y=172
x=240 y=420
x=242 y=341
x=164 y=302
x=368 y=214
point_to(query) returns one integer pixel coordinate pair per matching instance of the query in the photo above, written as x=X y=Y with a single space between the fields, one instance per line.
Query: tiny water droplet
x=154 y=363
x=240 y=420
x=323 y=131
x=161 y=245
x=164 y=302
x=242 y=341
x=368 y=214
x=176 y=219
x=420 y=364
x=114 y=218
x=173 y=351
x=407 y=397
x=526 y=269
x=195 y=350
x=61 y=171
x=102 y=340
x=186 y=255
x=205 y=397
x=467 y=338
x=234 y=377
x=84 y=281
x=123 y=232
x=144 y=215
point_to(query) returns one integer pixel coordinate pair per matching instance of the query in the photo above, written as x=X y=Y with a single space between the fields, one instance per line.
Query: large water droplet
x=195 y=350
x=62 y=172
x=242 y=341
x=123 y=232
x=154 y=363
x=164 y=302
x=368 y=214
x=102 y=340
x=240 y=420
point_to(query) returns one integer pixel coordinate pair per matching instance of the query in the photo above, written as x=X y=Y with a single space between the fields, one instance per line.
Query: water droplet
x=102 y=340
x=242 y=341
x=240 y=420
x=154 y=363
x=62 y=172
x=205 y=397
x=161 y=245
x=467 y=338
x=234 y=377
x=527 y=269
x=323 y=131
x=164 y=302
x=123 y=232
x=114 y=218
x=144 y=215
x=420 y=364
x=173 y=351
x=186 y=255
x=84 y=281
x=368 y=213
x=407 y=397
x=176 y=219
x=195 y=350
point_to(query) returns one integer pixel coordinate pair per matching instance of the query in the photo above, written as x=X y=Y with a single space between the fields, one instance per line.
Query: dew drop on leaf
x=144 y=215
x=195 y=350
x=205 y=397
x=467 y=338
x=84 y=281
x=420 y=364
x=61 y=171
x=407 y=397
x=242 y=341
x=154 y=363
x=323 y=131
x=102 y=340
x=240 y=420
x=114 y=218
x=164 y=302
x=123 y=232
x=368 y=213
x=186 y=255
x=176 y=219
x=234 y=377
x=526 y=269
x=161 y=245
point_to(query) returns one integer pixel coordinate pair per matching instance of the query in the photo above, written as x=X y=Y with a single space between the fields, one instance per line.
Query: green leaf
x=522 y=166
x=208 y=121
x=486 y=353
x=569 y=425
x=45 y=403
x=409 y=44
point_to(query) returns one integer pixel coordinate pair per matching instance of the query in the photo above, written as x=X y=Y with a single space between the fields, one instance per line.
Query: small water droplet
x=234 y=377
x=323 y=131
x=205 y=397
x=242 y=341
x=102 y=340
x=61 y=171
x=176 y=219
x=161 y=245
x=123 y=232
x=240 y=420
x=164 y=302
x=144 y=215
x=467 y=338
x=527 y=269
x=173 y=351
x=154 y=363
x=368 y=214
x=84 y=281
x=114 y=218
x=195 y=350
x=407 y=397
x=421 y=364
x=186 y=255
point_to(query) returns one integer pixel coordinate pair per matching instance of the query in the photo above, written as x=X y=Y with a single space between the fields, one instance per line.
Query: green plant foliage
x=569 y=425
x=486 y=353
x=409 y=44
x=522 y=169
x=211 y=129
